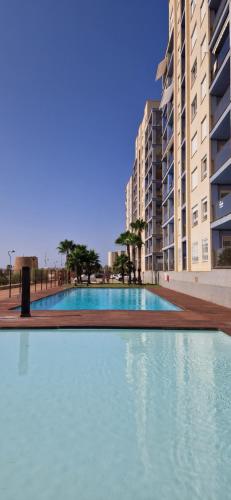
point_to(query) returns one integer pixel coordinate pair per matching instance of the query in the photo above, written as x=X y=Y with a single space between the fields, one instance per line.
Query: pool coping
x=196 y=314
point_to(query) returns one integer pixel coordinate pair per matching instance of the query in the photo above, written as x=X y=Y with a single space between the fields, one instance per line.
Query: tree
x=135 y=241
x=92 y=264
x=138 y=227
x=126 y=239
x=66 y=247
x=121 y=265
x=76 y=260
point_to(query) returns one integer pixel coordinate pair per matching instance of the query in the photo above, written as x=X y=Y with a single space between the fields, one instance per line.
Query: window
x=226 y=242
x=204 y=209
x=203 y=88
x=195 y=251
x=194 y=73
x=203 y=48
x=194 y=37
x=194 y=144
x=204 y=168
x=193 y=6
x=203 y=10
x=195 y=216
x=203 y=129
x=205 y=250
x=194 y=107
x=194 y=179
x=223 y=193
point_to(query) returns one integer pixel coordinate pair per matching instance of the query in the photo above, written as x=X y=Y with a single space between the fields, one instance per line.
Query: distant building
x=112 y=257
x=143 y=190
x=20 y=262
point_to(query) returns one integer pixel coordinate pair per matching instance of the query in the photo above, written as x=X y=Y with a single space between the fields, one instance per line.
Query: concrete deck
x=196 y=314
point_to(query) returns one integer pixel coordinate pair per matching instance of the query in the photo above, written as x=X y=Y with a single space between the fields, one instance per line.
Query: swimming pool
x=104 y=299
x=130 y=415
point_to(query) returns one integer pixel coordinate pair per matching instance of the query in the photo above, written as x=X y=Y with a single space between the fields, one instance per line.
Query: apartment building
x=196 y=152
x=143 y=191
x=112 y=256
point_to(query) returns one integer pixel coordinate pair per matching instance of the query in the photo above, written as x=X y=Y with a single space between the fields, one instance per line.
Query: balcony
x=218 y=15
x=222 y=157
x=219 y=58
x=168 y=214
x=222 y=208
x=167 y=189
x=183 y=230
x=222 y=258
x=220 y=108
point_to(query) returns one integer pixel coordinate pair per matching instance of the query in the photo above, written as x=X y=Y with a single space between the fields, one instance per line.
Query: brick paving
x=196 y=314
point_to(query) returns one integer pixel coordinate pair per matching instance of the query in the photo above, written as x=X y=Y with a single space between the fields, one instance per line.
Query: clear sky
x=74 y=79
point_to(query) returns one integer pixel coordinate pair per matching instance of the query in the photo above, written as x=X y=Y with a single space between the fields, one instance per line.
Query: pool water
x=104 y=299
x=103 y=414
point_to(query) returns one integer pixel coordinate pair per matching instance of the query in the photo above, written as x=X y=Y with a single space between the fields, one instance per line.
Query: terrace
x=196 y=314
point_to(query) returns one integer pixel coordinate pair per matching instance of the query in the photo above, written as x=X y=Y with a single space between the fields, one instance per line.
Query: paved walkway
x=196 y=313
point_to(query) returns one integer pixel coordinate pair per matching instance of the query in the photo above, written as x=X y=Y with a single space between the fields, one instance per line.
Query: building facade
x=112 y=256
x=196 y=153
x=143 y=191
x=21 y=262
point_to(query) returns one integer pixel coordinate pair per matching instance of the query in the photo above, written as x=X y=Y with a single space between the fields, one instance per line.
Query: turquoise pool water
x=103 y=299
x=108 y=415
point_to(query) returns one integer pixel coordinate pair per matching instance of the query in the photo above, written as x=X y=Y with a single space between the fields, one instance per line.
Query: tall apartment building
x=143 y=191
x=196 y=154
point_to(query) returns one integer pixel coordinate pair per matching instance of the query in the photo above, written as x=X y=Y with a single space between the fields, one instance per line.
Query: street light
x=10 y=252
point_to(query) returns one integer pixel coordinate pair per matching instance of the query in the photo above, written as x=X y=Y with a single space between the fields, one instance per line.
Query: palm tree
x=138 y=227
x=76 y=260
x=135 y=240
x=125 y=239
x=92 y=264
x=66 y=247
x=121 y=265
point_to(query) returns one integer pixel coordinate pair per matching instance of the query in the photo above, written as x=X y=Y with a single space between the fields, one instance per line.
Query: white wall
x=214 y=286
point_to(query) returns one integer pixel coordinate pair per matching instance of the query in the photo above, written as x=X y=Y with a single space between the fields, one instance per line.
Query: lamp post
x=10 y=252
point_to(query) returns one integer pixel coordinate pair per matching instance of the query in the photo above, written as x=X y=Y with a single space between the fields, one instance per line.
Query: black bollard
x=25 y=301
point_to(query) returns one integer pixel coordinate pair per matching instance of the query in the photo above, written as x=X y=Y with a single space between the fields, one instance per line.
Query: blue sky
x=74 y=79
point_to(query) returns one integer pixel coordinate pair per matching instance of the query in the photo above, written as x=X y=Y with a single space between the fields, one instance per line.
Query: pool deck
x=196 y=314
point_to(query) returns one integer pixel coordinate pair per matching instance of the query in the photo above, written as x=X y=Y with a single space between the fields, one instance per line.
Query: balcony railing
x=168 y=214
x=219 y=59
x=223 y=155
x=222 y=258
x=218 y=16
x=222 y=208
x=167 y=189
x=221 y=107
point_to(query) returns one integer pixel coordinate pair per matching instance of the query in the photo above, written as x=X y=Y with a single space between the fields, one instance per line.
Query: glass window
x=194 y=144
x=203 y=88
x=194 y=37
x=194 y=107
x=204 y=168
x=195 y=251
x=204 y=209
x=194 y=73
x=195 y=216
x=205 y=249
x=203 y=48
x=226 y=241
x=203 y=10
x=193 y=6
x=194 y=179
x=203 y=129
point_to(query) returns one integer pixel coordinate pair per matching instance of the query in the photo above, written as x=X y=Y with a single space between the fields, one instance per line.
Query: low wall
x=214 y=286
